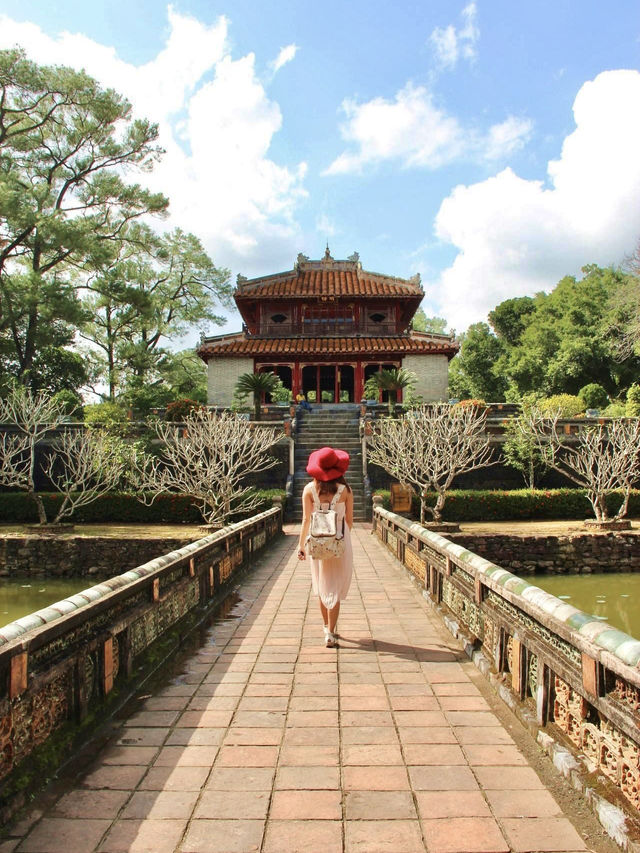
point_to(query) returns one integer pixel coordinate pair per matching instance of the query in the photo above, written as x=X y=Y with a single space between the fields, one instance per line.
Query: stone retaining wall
x=78 y=556
x=61 y=663
x=566 y=667
x=574 y=553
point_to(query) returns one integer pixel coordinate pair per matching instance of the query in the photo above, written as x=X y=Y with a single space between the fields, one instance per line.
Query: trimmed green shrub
x=567 y=404
x=467 y=505
x=593 y=396
x=633 y=401
x=614 y=410
x=17 y=508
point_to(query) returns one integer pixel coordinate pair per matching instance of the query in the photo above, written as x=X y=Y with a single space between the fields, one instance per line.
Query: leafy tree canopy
x=65 y=144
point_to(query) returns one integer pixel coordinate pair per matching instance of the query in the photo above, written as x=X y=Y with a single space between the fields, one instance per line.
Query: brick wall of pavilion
x=432 y=371
x=222 y=376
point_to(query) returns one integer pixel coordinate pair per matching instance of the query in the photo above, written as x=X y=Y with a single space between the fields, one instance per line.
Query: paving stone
x=303 y=836
x=241 y=779
x=464 y=835
x=440 y=804
x=120 y=777
x=232 y=805
x=160 y=805
x=308 y=778
x=306 y=805
x=80 y=804
x=523 y=804
x=439 y=778
x=223 y=836
x=65 y=835
x=143 y=836
x=379 y=805
x=541 y=834
x=508 y=778
x=383 y=836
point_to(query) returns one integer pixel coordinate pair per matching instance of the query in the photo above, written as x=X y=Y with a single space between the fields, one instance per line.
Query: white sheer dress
x=331 y=579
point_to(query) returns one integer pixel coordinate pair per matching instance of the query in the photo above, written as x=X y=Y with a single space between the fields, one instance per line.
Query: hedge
x=19 y=508
x=468 y=505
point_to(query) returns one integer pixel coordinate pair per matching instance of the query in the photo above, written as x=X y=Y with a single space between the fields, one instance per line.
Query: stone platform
x=269 y=742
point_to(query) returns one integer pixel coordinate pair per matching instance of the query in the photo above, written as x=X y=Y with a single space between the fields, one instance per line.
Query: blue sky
x=490 y=146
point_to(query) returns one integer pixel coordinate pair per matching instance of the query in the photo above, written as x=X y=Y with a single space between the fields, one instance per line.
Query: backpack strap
x=336 y=497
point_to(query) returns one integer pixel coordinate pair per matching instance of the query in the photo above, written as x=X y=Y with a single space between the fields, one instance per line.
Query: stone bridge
x=264 y=740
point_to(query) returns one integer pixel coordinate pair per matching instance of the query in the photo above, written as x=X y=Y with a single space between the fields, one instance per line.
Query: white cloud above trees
x=517 y=236
x=413 y=131
x=216 y=124
x=451 y=44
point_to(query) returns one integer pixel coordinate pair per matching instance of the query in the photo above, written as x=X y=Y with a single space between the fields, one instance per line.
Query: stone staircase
x=334 y=427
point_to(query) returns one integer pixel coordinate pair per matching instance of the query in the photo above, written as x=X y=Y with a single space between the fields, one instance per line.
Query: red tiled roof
x=328 y=278
x=241 y=344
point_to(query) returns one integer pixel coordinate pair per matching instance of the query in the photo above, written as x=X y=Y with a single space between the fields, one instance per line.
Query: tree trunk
x=437 y=509
x=622 y=510
x=256 y=406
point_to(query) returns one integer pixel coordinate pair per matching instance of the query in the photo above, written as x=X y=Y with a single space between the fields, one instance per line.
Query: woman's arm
x=307 y=509
x=348 y=510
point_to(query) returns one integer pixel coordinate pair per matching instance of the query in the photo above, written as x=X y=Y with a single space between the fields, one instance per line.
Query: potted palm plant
x=256 y=384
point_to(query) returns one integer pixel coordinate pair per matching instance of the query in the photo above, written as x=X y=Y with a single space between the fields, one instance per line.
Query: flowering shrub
x=180 y=409
x=472 y=403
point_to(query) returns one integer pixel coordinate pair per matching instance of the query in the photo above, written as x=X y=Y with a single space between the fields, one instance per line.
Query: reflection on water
x=612 y=597
x=20 y=596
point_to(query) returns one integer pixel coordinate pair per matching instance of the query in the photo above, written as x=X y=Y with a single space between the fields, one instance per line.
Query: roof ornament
x=416 y=279
x=327 y=255
x=301 y=259
x=240 y=280
x=354 y=258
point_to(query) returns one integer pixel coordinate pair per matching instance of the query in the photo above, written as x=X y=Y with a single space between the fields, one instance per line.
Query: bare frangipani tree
x=32 y=416
x=429 y=447
x=602 y=458
x=81 y=465
x=209 y=458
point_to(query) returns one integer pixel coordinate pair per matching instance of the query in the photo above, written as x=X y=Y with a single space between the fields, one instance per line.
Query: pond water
x=613 y=597
x=20 y=596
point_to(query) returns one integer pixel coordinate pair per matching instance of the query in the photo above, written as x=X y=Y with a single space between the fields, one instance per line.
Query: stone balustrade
x=576 y=672
x=61 y=662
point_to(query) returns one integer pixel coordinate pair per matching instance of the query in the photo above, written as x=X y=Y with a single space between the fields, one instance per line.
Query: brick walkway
x=270 y=742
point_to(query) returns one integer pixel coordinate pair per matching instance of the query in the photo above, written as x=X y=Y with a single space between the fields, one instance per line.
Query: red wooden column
x=358 y=381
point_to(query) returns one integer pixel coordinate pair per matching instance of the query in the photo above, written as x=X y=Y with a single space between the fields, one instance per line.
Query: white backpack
x=325 y=541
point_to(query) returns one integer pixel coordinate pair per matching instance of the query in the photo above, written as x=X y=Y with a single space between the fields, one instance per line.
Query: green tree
x=153 y=292
x=256 y=384
x=557 y=342
x=65 y=144
x=472 y=373
x=422 y=323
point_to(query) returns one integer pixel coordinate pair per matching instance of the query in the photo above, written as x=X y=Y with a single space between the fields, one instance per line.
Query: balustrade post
x=107 y=666
x=18 y=678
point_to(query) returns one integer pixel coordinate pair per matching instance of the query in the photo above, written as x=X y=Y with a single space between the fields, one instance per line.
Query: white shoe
x=330 y=640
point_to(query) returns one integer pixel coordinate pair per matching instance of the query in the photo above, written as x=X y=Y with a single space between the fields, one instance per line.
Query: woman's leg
x=325 y=613
x=333 y=617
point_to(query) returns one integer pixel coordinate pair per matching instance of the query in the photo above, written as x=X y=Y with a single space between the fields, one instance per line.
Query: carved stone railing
x=576 y=671
x=60 y=662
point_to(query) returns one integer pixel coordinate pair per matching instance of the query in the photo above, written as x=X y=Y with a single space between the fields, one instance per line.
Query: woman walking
x=330 y=578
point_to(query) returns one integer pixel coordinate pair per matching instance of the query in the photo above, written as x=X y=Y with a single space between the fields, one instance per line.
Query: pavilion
x=324 y=327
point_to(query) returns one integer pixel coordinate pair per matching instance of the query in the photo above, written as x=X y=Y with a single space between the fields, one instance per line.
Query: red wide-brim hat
x=327 y=463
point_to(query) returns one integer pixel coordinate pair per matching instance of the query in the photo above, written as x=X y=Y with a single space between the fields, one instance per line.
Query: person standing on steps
x=330 y=578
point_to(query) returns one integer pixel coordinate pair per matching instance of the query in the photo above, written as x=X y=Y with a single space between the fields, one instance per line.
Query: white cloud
x=285 y=55
x=451 y=44
x=413 y=130
x=216 y=124
x=325 y=227
x=517 y=237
